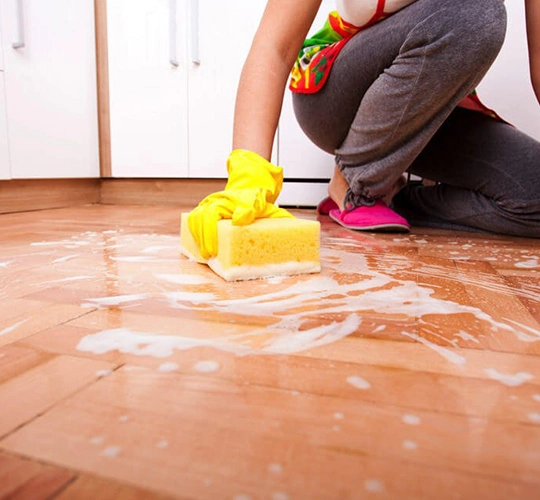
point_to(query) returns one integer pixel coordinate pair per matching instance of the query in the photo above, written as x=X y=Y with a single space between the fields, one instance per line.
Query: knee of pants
x=527 y=210
x=485 y=27
x=473 y=31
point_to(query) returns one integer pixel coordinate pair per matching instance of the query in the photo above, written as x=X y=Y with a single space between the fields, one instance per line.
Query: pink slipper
x=326 y=205
x=377 y=217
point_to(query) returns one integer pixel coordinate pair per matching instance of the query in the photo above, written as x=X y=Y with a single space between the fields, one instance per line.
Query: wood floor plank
x=408 y=368
x=87 y=487
x=16 y=360
x=432 y=358
x=22 y=326
x=23 y=479
x=38 y=388
x=409 y=386
x=196 y=442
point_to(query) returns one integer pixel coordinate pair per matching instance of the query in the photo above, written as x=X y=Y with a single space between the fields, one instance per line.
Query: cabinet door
x=1 y=47
x=220 y=38
x=507 y=88
x=299 y=157
x=5 y=172
x=50 y=87
x=148 y=92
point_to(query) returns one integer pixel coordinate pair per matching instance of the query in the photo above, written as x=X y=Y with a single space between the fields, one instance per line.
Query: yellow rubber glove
x=252 y=188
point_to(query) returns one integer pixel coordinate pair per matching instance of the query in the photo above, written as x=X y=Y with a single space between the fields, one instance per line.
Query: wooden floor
x=408 y=369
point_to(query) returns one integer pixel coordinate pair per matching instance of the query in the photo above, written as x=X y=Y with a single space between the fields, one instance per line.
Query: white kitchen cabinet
x=299 y=157
x=4 y=151
x=148 y=87
x=297 y=154
x=220 y=40
x=175 y=119
x=171 y=120
x=507 y=86
x=5 y=172
x=50 y=88
x=1 y=48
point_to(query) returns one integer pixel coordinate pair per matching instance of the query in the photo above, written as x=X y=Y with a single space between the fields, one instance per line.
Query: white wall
x=507 y=86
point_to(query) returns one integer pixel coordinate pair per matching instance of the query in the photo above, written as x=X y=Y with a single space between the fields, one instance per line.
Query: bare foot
x=337 y=189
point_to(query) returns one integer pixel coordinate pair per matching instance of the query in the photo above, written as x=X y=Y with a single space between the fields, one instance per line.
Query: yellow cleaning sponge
x=264 y=248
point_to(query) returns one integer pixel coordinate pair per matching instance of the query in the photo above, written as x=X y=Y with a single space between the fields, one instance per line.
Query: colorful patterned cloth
x=318 y=53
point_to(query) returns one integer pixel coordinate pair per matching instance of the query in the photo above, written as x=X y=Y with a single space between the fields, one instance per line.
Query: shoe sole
x=387 y=228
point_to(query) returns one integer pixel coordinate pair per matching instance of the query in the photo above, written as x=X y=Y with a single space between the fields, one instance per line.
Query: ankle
x=337 y=188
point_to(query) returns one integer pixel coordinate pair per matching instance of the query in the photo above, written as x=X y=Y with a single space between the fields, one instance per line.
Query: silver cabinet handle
x=172 y=33
x=194 y=16
x=19 y=42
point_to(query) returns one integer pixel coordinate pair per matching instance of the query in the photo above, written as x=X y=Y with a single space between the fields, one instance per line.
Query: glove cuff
x=248 y=169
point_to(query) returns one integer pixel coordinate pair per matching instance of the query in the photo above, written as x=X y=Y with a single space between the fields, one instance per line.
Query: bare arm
x=278 y=40
x=532 y=9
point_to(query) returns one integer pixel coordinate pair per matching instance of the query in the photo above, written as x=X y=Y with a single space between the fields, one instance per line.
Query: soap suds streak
x=449 y=355
x=482 y=280
x=289 y=310
x=509 y=379
x=367 y=291
x=115 y=300
x=13 y=327
x=61 y=260
x=528 y=264
x=183 y=279
x=162 y=346
x=467 y=337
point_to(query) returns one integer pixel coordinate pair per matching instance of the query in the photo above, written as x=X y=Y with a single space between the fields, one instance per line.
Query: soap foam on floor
x=321 y=294
x=369 y=289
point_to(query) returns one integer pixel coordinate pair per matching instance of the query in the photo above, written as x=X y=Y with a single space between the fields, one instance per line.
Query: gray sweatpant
x=389 y=106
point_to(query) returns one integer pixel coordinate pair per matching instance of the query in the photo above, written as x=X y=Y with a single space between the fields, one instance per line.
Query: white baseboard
x=302 y=194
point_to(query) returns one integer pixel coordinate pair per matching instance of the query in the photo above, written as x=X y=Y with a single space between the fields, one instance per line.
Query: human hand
x=250 y=193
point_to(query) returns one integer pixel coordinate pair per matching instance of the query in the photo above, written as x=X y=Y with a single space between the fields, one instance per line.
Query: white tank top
x=359 y=12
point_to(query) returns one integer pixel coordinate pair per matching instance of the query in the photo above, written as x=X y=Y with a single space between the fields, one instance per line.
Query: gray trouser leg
x=395 y=83
x=489 y=174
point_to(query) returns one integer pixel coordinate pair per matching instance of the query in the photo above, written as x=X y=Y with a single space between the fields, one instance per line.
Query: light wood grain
x=24 y=195
x=23 y=479
x=128 y=371
x=102 y=68
x=26 y=395
x=95 y=488
x=184 y=192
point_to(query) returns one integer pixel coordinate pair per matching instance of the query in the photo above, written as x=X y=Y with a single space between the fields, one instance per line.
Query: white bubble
x=358 y=382
x=168 y=367
x=374 y=486
x=111 y=451
x=411 y=419
x=275 y=468
x=534 y=417
x=206 y=366
x=410 y=445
